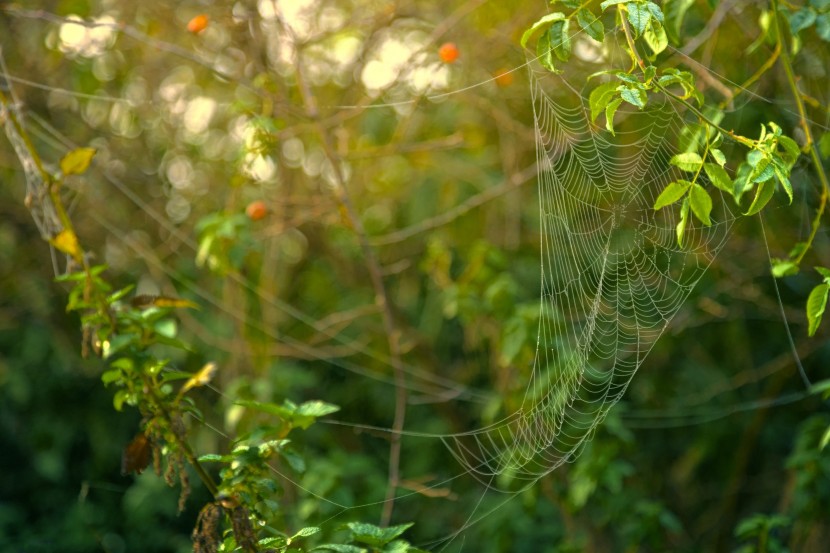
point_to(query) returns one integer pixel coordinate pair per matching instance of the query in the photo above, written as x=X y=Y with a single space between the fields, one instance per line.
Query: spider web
x=612 y=277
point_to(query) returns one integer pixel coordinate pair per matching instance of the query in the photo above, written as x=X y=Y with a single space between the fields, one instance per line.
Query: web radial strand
x=612 y=276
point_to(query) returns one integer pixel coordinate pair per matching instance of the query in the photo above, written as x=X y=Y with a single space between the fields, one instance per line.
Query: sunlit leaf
x=701 y=203
x=639 y=17
x=67 y=242
x=816 y=303
x=672 y=193
x=204 y=376
x=591 y=24
x=543 y=22
x=689 y=161
x=146 y=301
x=610 y=110
x=600 y=97
x=719 y=177
x=762 y=197
x=77 y=161
x=681 y=225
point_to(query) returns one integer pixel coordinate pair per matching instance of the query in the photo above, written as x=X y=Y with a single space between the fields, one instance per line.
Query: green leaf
x=305 y=532
x=340 y=548
x=689 y=162
x=675 y=11
x=785 y=182
x=543 y=22
x=591 y=24
x=802 y=19
x=792 y=149
x=655 y=11
x=560 y=39
x=316 y=408
x=608 y=3
x=600 y=97
x=375 y=536
x=610 y=110
x=544 y=51
x=782 y=268
x=111 y=376
x=823 y=26
x=684 y=218
x=655 y=37
x=718 y=156
x=719 y=177
x=635 y=96
x=77 y=161
x=701 y=204
x=762 y=197
x=825 y=439
x=824 y=145
x=672 y=193
x=822 y=271
x=639 y=17
x=761 y=171
x=816 y=303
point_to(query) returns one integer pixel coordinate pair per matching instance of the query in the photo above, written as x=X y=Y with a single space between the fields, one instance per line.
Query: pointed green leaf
x=762 y=197
x=635 y=96
x=825 y=439
x=77 y=161
x=655 y=37
x=672 y=193
x=655 y=11
x=610 y=110
x=638 y=16
x=591 y=24
x=608 y=3
x=719 y=177
x=543 y=22
x=785 y=182
x=689 y=162
x=718 y=156
x=600 y=98
x=802 y=19
x=792 y=149
x=825 y=273
x=544 y=51
x=560 y=39
x=701 y=204
x=784 y=267
x=823 y=26
x=684 y=218
x=816 y=303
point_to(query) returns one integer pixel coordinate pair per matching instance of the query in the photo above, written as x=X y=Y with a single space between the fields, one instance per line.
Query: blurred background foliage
x=715 y=446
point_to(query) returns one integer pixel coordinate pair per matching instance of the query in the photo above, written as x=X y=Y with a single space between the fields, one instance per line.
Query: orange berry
x=448 y=52
x=256 y=210
x=197 y=24
x=504 y=77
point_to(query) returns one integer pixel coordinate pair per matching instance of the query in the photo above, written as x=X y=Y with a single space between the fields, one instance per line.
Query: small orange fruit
x=504 y=77
x=256 y=210
x=197 y=24
x=448 y=52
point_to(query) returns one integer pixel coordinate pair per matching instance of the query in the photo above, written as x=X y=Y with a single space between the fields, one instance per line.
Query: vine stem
x=638 y=60
x=808 y=134
x=381 y=295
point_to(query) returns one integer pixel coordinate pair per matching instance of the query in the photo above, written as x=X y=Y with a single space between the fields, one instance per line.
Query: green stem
x=639 y=61
x=802 y=113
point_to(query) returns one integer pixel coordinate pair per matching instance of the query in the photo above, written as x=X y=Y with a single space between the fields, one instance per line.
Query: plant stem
x=808 y=135
x=381 y=295
x=639 y=61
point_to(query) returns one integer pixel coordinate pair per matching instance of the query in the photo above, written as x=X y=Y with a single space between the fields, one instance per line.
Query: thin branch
x=515 y=181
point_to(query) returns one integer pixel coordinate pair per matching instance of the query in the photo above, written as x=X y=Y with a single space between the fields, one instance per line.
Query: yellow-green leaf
x=672 y=193
x=762 y=197
x=67 y=242
x=204 y=376
x=701 y=203
x=816 y=303
x=77 y=161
